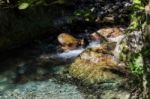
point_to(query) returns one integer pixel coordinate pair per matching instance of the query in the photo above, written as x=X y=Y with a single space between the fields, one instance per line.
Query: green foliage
x=137 y=1
x=58 y=2
x=136 y=17
x=146 y=51
x=136 y=64
x=134 y=60
x=137 y=23
x=24 y=4
x=84 y=14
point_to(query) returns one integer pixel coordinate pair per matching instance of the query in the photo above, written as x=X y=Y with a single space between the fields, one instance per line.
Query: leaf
x=144 y=25
x=58 y=2
x=146 y=52
x=134 y=25
x=77 y=13
x=23 y=6
x=137 y=64
x=139 y=7
x=86 y=14
x=139 y=61
x=137 y=1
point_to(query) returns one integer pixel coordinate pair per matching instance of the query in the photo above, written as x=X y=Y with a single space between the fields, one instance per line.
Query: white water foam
x=74 y=53
x=70 y=54
x=93 y=44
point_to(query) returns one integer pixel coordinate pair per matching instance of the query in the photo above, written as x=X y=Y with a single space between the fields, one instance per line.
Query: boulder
x=96 y=65
x=69 y=42
x=112 y=34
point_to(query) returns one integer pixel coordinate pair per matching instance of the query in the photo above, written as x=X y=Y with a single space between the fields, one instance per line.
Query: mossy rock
x=91 y=73
x=95 y=67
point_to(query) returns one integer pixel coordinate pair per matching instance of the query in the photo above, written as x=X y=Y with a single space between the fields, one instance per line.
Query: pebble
x=42 y=90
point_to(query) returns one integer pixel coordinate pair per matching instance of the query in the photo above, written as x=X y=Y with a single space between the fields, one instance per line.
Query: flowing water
x=38 y=89
x=73 y=53
x=35 y=80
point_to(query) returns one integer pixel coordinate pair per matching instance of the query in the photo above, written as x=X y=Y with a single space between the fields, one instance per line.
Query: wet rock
x=134 y=41
x=131 y=43
x=99 y=68
x=68 y=42
x=96 y=37
x=107 y=19
x=103 y=9
x=106 y=48
x=111 y=33
x=115 y=94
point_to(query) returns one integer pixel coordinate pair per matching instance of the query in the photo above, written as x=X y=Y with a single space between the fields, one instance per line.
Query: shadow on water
x=39 y=60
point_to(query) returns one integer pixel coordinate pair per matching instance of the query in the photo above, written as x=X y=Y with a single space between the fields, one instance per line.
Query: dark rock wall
x=18 y=27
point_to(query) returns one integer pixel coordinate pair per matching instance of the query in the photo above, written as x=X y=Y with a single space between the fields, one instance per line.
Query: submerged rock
x=41 y=90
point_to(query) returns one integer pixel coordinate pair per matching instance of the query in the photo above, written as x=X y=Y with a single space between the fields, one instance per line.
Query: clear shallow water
x=40 y=90
x=49 y=88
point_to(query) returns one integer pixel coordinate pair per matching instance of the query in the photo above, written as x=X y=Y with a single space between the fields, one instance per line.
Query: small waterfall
x=74 y=53
x=93 y=44
x=70 y=54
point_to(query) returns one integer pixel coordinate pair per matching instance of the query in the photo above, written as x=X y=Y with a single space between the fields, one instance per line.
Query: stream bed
x=35 y=72
x=21 y=79
x=48 y=89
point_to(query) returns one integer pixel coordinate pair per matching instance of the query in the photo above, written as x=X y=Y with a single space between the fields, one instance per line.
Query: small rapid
x=74 y=53
x=70 y=54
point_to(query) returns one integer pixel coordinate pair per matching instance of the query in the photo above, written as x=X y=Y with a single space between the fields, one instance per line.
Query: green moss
x=91 y=73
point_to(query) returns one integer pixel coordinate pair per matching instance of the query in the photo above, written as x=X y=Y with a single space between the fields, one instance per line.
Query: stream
x=40 y=70
x=32 y=73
